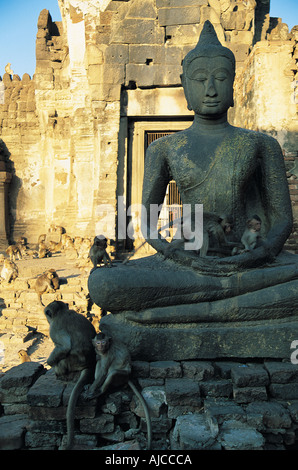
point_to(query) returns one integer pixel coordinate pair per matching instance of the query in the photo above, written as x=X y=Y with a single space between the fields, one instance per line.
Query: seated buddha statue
x=229 y=170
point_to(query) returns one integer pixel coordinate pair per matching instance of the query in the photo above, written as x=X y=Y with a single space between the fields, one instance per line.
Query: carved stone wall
x=110 y=63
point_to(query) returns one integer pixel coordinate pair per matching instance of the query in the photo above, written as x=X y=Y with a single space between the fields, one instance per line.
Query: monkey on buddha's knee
x=251 y=235
x=98 y=252
x=215 y=229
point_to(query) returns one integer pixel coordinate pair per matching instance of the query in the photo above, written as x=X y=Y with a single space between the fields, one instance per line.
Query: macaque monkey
x=13 y=251
x=83 y=247
x=22 y=245
x=22 y=241
x=72 y=336
x=43 y=251
x=9 y=271
x=215 y=232
x=55 y=246
x=64 y=238
x=69 y=248
x=98 y=252
x=31 y=253
x=113 y=367
x=67 y=241
x=47 y=282
x=251 y=234
x=77 y=242
x=23 y=355
x=41 y=238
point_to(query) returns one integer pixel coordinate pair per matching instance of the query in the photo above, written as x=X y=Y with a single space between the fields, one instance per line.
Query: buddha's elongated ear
x=184 y=84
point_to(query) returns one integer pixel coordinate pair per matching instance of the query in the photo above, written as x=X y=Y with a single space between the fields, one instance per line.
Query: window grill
x=172 y=205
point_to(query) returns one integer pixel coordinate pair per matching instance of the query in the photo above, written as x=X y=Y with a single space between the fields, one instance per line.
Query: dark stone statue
x=180 y=305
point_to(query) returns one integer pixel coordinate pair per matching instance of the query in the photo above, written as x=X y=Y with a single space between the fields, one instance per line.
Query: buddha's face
x=208 y=86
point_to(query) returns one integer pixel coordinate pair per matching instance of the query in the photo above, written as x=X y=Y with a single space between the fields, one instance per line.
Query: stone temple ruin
x=107 y=77
x=73 y=140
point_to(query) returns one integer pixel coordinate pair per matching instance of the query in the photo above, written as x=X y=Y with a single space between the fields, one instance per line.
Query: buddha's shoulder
x=255 y=136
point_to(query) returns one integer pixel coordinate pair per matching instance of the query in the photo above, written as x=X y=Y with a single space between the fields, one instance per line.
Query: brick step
x=185 y=412
x=20 y=307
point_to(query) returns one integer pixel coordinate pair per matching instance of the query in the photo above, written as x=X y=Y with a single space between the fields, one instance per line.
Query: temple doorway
x=141 y=135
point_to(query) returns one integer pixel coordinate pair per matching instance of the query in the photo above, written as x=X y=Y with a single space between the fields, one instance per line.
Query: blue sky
x=19 y=26
x=18 y=30
x=285 y=9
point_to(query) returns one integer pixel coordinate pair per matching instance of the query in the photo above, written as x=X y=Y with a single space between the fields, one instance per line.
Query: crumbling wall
x=266 y=101
x=21 y=134
x=194 y=405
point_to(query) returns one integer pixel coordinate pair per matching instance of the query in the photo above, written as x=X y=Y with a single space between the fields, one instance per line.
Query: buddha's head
x=208 y=75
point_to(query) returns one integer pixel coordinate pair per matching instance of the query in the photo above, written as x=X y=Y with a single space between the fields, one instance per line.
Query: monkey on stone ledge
x=113 y=368
x=71 y=334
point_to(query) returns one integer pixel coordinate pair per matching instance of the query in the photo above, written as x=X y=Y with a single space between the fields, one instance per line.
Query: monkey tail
x=146 y=410
x=40 y=300
x=70 y=413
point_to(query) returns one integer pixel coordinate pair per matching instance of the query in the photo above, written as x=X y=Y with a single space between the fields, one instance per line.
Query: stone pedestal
x=5 y=178
x=255 y=323
x=269 y=339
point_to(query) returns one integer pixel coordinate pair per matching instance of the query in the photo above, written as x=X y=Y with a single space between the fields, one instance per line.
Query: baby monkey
x=113 y=367
x=251 y=234
x=98 y=252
